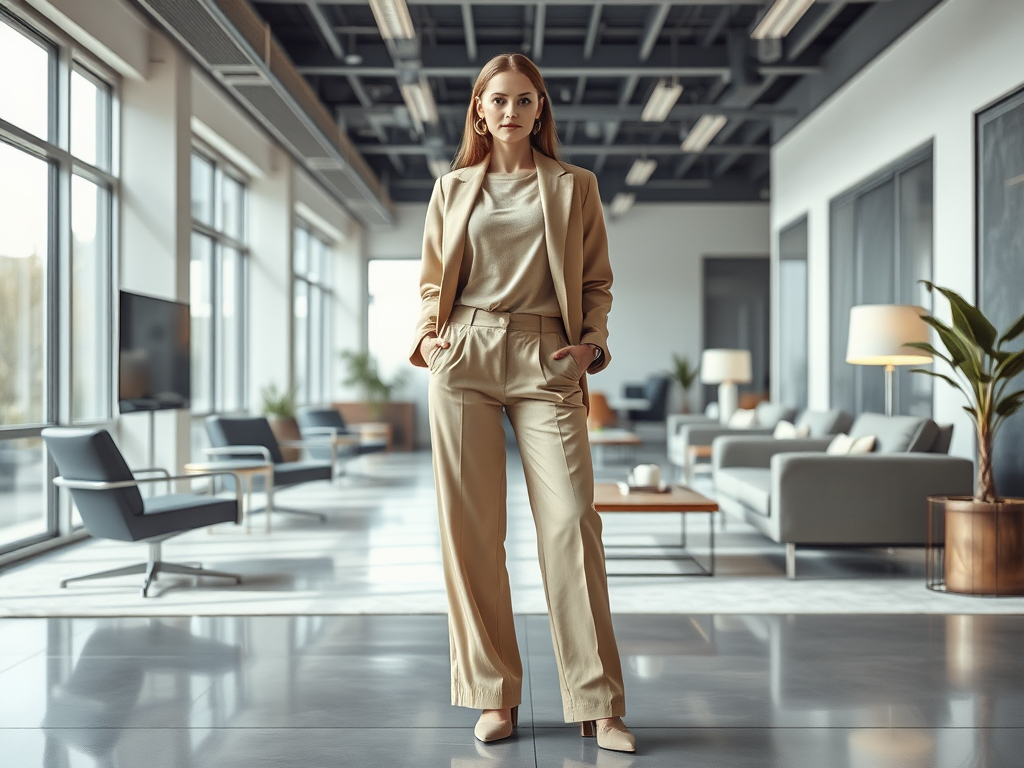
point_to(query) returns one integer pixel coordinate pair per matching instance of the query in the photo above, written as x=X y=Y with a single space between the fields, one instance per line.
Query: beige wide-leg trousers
x=498 y=362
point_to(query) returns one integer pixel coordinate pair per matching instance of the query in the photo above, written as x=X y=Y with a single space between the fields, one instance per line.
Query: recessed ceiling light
x=703 y=132
x=663 y=98
x=622 y=202
x=641 y=172
x=781 y=18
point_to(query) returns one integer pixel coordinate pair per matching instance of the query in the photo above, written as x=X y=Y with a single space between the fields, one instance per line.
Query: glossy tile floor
x=822 y=691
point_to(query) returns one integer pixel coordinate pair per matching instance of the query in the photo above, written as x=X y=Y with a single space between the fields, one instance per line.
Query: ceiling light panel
x=622 y=202
x=640 y=172
x=703 y=132
x=781 y=18
x=420 y=101
x=393 y=19
x=663 y=98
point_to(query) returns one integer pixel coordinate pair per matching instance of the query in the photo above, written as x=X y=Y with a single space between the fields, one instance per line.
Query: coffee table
x=601 y=439
x=679 y=500
x=247 y=469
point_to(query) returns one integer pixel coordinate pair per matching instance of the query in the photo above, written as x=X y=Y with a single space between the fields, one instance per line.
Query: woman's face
x=510 y=105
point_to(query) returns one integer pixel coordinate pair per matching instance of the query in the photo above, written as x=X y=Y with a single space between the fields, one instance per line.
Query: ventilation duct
x=237 y=48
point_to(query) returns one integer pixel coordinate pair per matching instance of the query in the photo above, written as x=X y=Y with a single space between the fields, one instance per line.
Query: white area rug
x=379 y=553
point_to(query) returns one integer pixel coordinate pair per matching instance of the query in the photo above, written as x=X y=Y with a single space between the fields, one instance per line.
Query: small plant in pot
x=685 y=374
x=984 y=535
x=279 y=408
x=364 y=374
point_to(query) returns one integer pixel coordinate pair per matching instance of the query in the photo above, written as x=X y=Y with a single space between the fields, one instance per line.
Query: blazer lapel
x=556 y=187
x=462 y=196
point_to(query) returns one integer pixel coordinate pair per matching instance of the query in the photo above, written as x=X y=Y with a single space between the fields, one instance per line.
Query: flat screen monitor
x=154 y=363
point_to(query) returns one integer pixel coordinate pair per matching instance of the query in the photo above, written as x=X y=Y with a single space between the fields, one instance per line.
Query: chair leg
x=791 y=561
x=130 y=570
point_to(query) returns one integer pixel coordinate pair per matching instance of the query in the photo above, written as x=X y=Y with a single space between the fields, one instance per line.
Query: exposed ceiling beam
x=707 y=70
x=717 y=26
x=814 y=22
x=652 y=28
x=326 y=31
x=629 y=113
x=539 y=19
x=752 y=133
x=469 y=28
x=633 y=3
x=627 y=150
x=592 y=29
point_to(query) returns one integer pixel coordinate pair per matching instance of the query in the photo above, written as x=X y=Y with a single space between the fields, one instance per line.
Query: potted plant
x=984 y=534
x=685 y=374
x=279 y=408
x=364 y=374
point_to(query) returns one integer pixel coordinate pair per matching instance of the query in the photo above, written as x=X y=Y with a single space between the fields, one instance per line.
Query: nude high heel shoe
x=492 y=727
x=611 y=734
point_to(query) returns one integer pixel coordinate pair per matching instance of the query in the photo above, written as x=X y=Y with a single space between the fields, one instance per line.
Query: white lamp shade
x=879 y=334
x=725 y=365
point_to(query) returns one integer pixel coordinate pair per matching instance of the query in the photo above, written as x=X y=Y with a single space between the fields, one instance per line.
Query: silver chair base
x=151 y=569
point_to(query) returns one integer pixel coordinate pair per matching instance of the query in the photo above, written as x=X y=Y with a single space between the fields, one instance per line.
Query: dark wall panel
x=793 y=315
x=1001 y=256
x=843 y=293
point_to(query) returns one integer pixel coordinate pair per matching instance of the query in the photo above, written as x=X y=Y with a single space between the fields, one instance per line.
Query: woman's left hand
x=585 y=354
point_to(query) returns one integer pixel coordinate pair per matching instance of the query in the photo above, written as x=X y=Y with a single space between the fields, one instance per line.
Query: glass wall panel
x=301 y=341
x=24 y=246
x=90 y=306
x=25 y=77
x=233 y=208
x=201 y=308
x=313 y=302
x=793 y=315
x=394 y=296
x=914 y=392
x=230 y=330
x=90 y=120
x=202 y=190
x=24 y=490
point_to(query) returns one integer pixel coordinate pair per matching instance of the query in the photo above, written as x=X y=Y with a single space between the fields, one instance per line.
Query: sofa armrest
x=870 y=498
x=676 y=421
x=747 y=451
x=698 y=434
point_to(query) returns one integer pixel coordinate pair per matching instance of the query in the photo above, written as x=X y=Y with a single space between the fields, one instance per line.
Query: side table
x=247 y=470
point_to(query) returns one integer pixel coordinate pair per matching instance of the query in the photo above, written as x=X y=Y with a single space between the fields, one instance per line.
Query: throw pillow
x=742 y=419
x=844 y=445
x=840 y=445
x=786 y=430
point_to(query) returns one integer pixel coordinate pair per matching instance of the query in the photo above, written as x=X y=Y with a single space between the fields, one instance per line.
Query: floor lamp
x=879 y=334
x=726 y=368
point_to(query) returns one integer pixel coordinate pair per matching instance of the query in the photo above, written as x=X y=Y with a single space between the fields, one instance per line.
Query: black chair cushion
x=225 y=432
x=321 y=417
x=296 y=472
x=91 y=454
x=178 y=512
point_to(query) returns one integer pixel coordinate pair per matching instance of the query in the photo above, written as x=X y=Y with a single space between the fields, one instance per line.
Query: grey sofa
x=682 y=435
x=795 y=493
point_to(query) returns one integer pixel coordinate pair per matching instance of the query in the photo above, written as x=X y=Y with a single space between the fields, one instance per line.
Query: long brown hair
x=475 y=147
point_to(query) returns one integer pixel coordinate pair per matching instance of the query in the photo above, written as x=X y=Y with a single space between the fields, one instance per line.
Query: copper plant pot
x=286 y=428
x=984 y=546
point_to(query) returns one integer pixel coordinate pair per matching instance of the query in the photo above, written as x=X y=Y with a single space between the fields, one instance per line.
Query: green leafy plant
x=364 y=373
x=686 y=374
x=982 y=371
x=279 y=402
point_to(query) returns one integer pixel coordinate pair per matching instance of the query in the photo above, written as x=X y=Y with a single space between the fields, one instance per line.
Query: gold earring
x=536 y=127
x=480 y=126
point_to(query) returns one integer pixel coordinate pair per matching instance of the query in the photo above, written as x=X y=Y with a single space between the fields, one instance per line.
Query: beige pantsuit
x=502 y=362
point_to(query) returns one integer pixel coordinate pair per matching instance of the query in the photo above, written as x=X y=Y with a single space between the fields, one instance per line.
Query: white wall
x=656 y=252
x=962 y=57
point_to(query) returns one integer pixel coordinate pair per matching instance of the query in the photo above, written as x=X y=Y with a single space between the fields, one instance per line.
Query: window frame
x=220 y=239
x=66 y=56
x=325 y=287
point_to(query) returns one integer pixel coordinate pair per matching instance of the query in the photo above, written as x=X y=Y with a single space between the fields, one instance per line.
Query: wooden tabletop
x=614 y=437
x=699 y=451
x=608 y=498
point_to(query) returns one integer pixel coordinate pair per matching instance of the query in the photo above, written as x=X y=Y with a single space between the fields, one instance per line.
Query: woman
x=515 y=296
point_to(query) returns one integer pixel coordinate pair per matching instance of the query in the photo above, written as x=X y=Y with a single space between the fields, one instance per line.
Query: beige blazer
x=577 y=246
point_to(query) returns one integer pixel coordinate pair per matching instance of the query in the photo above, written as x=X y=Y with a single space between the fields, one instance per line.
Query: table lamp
x=726 y=368
x=879 y=334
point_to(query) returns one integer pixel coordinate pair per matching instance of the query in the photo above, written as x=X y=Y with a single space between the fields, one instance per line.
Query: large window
x=793 y=315
x=56 y=160
x=881 y=248
x=313 y=304
x=394 y=296
x=218 y=286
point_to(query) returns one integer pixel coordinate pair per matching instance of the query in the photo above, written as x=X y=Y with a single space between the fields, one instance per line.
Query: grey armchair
x=795 y=493
x=107 y=495
x=655 y=391
x=249 y=437
x=329 y=423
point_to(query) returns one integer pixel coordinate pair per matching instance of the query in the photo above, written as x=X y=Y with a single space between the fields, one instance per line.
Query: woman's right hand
x=429 y=344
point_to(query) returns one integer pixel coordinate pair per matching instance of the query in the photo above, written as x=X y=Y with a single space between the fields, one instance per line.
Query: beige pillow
x=844 y=445
x=786 y=430
x=742 y=419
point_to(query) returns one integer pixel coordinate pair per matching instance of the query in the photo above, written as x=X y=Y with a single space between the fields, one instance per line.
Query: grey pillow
x=943 y=438
x=825 y=423
x=896 y=434
x=767 y=414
